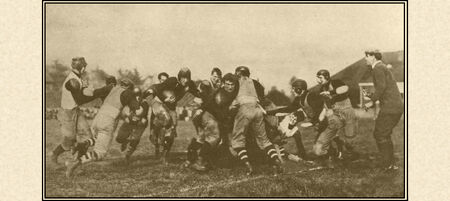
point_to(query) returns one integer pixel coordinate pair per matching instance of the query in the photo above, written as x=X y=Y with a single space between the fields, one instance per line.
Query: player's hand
x=368 y=105
x=198 y=112
x=170 y=99
x=325 y=94
x=198 y=100
x=134 y=118
x=139 y=111
x=306 y=124
x=292 y=119
x=143 y=122
x=88 y=91
x=322 y=114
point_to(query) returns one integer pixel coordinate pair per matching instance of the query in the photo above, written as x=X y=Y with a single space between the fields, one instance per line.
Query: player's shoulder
x=73 y=83
x=337 y=82
x=380 y=66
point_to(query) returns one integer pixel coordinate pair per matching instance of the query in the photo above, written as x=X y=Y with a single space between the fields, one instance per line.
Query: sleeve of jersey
x=380 y=80
x=290 y=108
x=340 y=90
x=317 y=107
x=193 y=89
x=76 y=90
x=146 y=108
x=259 y=90
x=127 y=98
x=103 y=92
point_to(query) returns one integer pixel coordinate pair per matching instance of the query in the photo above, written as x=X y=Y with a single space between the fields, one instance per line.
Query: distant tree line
x=56 y=73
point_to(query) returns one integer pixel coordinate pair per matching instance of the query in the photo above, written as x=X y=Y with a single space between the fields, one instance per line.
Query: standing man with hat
x=391 y=107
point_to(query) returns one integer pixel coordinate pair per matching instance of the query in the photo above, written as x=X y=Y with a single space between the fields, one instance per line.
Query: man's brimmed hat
x=372 y=51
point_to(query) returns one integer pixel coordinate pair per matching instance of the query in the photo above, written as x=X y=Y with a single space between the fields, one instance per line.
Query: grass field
x=146 y=177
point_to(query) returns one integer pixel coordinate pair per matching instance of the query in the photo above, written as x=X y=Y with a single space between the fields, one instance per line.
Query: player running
x=74 y=94
x=130 y=132
x=105 y=123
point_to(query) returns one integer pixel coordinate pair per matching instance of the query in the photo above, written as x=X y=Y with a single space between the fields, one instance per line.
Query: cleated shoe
x=198 y=167
x=277 y=168
x=186 y=164
x=391 y=168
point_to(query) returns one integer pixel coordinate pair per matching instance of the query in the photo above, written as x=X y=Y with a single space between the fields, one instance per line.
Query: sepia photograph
x=269 y=100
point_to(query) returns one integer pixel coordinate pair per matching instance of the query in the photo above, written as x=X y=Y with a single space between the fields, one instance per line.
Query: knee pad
x=318 y=150
x=120 y=140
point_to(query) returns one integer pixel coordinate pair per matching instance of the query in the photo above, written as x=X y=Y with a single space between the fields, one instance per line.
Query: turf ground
x=147 y=177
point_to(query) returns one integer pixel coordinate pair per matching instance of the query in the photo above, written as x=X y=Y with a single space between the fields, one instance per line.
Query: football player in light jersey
x=105 y=124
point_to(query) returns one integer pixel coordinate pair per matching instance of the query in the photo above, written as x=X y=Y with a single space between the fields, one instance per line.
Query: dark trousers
x=384 y=124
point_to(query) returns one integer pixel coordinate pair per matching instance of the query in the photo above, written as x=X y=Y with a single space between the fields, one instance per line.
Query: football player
x=250 y=115
x=306 y=106
x=74 y=94
x=212 y=113
x=339 y=113
x=105 y=123
x=130 y=132
x=163 y=77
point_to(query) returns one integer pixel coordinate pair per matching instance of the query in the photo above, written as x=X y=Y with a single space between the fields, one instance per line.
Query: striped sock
x=242 y=154
x=91 y=142
x=90 y=156
x=271 y=152
x=283 y=152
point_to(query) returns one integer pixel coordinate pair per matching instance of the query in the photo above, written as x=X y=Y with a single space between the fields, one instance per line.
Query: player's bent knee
x=134 y=142
x=68 y=142
x=318 y=150
x=120 y=139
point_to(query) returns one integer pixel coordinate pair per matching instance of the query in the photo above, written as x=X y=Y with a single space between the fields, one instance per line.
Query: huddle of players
x=226 y=109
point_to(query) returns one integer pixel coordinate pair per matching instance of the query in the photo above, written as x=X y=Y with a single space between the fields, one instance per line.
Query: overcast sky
x=275 y=41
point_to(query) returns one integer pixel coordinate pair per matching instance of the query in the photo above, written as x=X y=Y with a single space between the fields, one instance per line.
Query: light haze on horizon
x=275 y=41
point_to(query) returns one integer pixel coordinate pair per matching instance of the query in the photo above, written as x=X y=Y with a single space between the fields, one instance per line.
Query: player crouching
x=203 y=149
x=305 y=108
